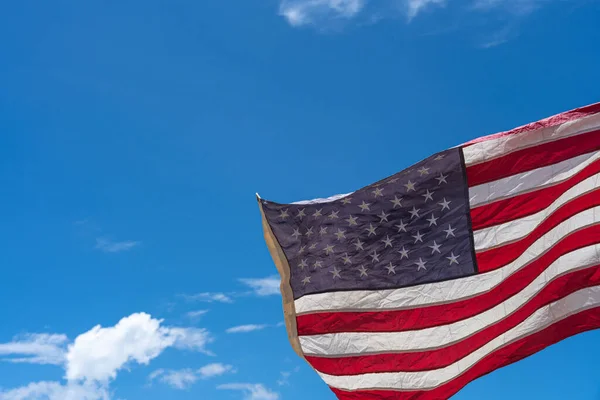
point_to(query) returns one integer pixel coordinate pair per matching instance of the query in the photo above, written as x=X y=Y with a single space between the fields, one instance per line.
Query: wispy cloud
x=185 y=378
x=284 y=380
x=208 y=297
x=37 y=348
x=252 y=391
x=268 y=286
x=324 y=15
x=196 y=314
x=246 y=328
x=108 y=246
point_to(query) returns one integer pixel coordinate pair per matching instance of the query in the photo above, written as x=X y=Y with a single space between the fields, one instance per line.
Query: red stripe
x=570 y=326
x=440 y=314
x=500 y=256
x=554 y=120
x=526 y=204
x=534 y=157
x=440 y=358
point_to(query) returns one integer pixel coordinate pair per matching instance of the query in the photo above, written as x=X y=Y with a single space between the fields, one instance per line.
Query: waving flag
x=470 y=260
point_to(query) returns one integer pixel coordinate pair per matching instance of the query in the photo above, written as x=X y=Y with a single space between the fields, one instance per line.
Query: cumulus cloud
x=39 y=348
x=184 y=378
x=108 y=246
x=95 y=357
x=101 y=352
x=263 y=286
x=251 y=391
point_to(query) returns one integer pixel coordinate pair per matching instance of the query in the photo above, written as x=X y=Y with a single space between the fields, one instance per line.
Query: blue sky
x=135 y=135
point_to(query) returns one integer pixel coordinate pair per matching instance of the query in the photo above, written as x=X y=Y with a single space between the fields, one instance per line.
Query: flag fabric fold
x=472 y=259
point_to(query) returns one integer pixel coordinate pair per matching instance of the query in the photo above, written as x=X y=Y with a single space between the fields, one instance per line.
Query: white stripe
x=544 y=317
x=519 y=228
x=360 y=343
x=442 y=292
x=494 y=148
x=528 y=181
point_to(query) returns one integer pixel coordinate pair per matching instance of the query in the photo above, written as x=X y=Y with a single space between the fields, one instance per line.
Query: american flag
x=470 y=260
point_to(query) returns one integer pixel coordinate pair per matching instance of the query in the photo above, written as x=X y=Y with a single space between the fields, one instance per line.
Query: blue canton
x=408 y=229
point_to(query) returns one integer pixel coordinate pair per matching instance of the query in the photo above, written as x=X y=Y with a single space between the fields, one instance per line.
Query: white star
x=401 y=226
x=302 y=249
x=346 y=259
x=303 y=264
x=358 y=244
x=329 y=249
x=340 y=234
x=363 y=271
x=438 y=158
x=301 y=214
x=432 y=220
x=313 y=246
x=335 y=272
x=334 y=214
x=445 y=204
x=371 y=230
x=450 y=231
x=377 y=192
x=375 y=256
x=352 y=220
x=418 y=237
x=391 y=269
x=403 y=253
x=347 y=200
x=296 y=233
x=410 y=186
x=428 y=195
x=453 y=259
x=306 y=280
x=387 y=241
x=421 y=264
x=442 y=179
x=435 y=247
x=318 y=213
x=318 y=264
x=364 y=206
x=423 y=171
x=284 y=214
x=323 y=230
x=393 y=180
x=383 y=217
x=309 y=232
x=397 y=201
x=414 y=213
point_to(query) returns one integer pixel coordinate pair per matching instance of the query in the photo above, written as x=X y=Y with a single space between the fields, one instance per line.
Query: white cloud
x=264 y=286
x=416 y=6
x=209 y=297
x=518 y=7
x=108 y=246
x=56 y=391
x=246 y=328
x=195 y=315
x=95 y=357
x=179 y=379
x=252 y=391
x=41 y=348
x=184 y=378
x=101 y=352
x=285 y=377
x=304 y=12
x=215 y=369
